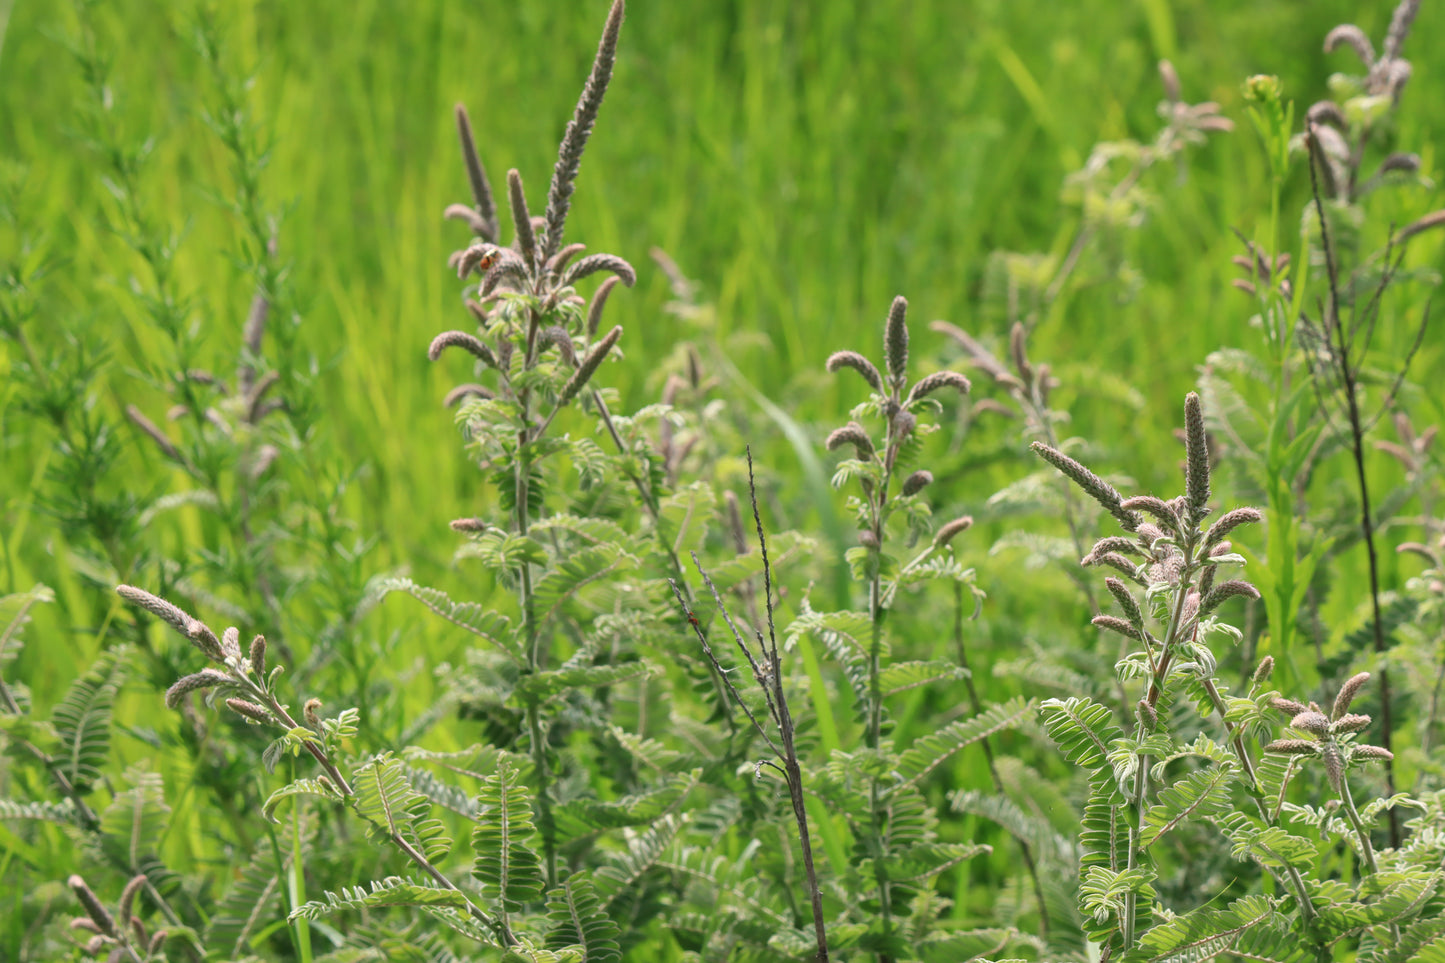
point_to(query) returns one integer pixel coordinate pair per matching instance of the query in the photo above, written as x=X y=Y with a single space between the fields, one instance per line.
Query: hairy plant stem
x=771 y=681
x=546 y=824
x=977 y=703
x=875 y=685
x=1347 y=803
x=1367 y=851
x=1139 y=798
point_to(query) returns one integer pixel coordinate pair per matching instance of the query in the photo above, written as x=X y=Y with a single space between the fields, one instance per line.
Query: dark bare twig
x=1347 y=372
x=769 y=676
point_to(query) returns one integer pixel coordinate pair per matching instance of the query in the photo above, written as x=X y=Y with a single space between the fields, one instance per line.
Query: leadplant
x=543 y=343
x=1168 y=601
x=879 y=786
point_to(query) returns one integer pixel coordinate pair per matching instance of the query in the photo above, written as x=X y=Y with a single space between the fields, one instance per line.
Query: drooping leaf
x=386 y=799
x=82 y=719
x=253 y=900
x=965 y=945
x=932 y=750
x=1204 y=933
x=448 y=905
x=300 y=787
x=544 y=685
x=574 y=572
x=14 y=617
x=135 y=821
x=1104 y=829
x=899 y=677
x=684 y=516
x=782 y=547
x=492 y=627
x=581 y=817
x=62 y=812
x=1202 y=793
x=1081 y=728
x=618 y=878
x=926 y=860
x=648 y=752
x=525 y=951
x=590 y=531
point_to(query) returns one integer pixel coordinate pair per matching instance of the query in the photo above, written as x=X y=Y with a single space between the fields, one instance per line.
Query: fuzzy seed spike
x=939 y=379
x=579 y=129
x=1232 y=588
x=1334 y=764
x=127 y=899
x=593 y=263
x=1094 y=486
x=917 y=481
x=1228 y=522
x=1112 y=544
x=1126 y=601
x=589 y=366
x=895 y=342
x=1116 y=624
x=249 y=710
x=860 y=364
x=1196 y=447
x=1347 y=34
x=1350 y=722
x=1347 y=694
x=1147 y=714
x=599 y=301
x=1292 y=747
x=94 y=908
x=1289 y=707
x=157 y=606
x=204 y=679
x=1400 y=27
x=851 y=434
x=1156 y=506
x=486 y=207
x=467 y=342
x=1170 y=79
x=951 y=529
x=1018 y=348
x=1371 y=754
x=526 y=239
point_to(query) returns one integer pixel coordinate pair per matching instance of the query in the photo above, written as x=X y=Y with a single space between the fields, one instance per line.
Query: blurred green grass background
x=804 y=162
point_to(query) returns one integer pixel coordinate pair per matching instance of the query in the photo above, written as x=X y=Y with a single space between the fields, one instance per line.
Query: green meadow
x=802 y=164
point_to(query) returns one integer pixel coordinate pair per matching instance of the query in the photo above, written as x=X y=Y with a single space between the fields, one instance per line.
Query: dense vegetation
x=705 y=599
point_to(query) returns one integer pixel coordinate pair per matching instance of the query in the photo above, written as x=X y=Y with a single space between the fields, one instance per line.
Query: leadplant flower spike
x=1330 y=739
x=242 y=688
x=1167 y=629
